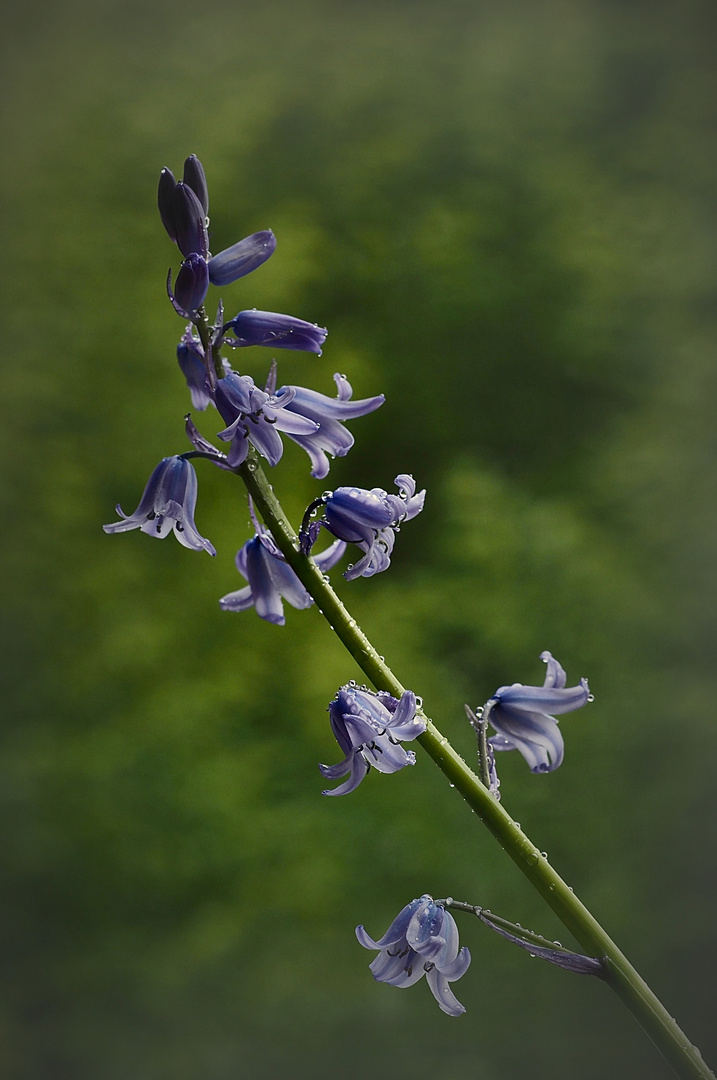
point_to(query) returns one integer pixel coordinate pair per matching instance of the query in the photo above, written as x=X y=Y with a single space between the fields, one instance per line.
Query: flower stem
x=620 y=975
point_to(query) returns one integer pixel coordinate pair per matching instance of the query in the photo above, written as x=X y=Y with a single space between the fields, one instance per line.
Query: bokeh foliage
x=504 y=213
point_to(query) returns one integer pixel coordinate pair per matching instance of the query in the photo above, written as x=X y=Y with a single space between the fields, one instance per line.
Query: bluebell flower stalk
x=171 y=495
x=421 y=940
x=370 y=727
x=551 y=951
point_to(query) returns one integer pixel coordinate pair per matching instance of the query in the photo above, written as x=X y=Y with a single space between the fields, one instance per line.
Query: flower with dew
x=168 y=503
x=370 y=727
x=522 y=716
x=368 y=519
x=274 y=331
x=421 y=940
x=271 y=579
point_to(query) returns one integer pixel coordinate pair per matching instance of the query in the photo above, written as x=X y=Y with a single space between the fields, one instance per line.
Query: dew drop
x=419 y=701
x=591 y=697
x=543 y=854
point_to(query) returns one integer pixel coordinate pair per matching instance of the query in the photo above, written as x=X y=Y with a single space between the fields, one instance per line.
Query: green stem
x=620 y=975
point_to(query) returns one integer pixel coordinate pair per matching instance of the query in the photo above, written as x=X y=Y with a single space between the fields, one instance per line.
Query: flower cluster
x=421 y=940
x=310 y=419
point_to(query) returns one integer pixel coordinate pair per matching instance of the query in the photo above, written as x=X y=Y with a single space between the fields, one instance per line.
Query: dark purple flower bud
x=275 y=331
x=240 y=259
x=168 y=502
x=190 y=222
x=190 y=356
x=165 y=201
x=191 y=286
x=522 y=716
x=369 y=728
x=421 y=940
x=197 y=181
x=271 y=579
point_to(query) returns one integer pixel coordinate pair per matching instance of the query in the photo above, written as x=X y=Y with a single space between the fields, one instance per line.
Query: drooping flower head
x=369 y=727
x=368 y=519
x=522 y=716
x=421 y=940
x=168 y=503
x=271 y=579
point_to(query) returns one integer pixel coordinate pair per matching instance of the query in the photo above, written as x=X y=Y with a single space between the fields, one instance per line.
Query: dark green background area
x=505 y=214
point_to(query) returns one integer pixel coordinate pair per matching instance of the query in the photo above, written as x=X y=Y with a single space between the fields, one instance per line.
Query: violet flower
x=190 y=287
x=190 y=357
x=274 y=331
x=241 y=258
x=368 y=519
x=369 y=728
x=271 y=578
x=521 y=716
x=421 y=940
x=331 y=438
x=252 y=415
x=168 y=502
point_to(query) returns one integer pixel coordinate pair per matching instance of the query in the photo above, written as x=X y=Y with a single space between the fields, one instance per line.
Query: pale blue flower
x=331 y=439
x=369 y=727
x=168 y=503
x=271 y=579
x=522 y=716
x=368 y=519
x=421 y=940
x=252 y=415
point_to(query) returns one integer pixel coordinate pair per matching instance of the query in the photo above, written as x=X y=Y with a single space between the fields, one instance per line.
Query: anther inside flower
x=421 y=940
x=522 y=716
x=369 y=727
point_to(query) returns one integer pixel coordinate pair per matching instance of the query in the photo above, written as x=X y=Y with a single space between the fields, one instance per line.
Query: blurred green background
x=505 y=214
